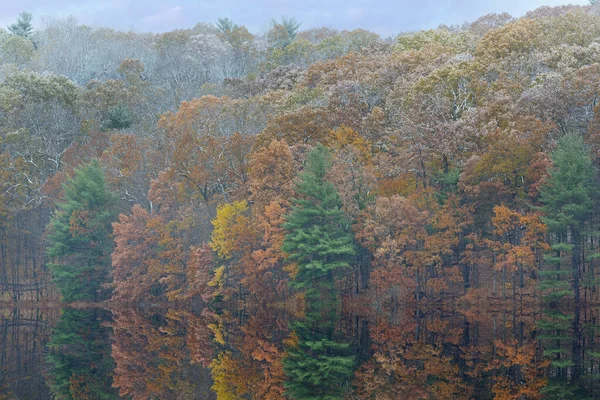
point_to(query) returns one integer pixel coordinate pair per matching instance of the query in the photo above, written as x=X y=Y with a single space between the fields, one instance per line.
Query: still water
x=270 y=353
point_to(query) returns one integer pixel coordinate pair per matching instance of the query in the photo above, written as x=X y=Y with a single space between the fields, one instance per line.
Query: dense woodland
x=317 y=170
x=456 y=163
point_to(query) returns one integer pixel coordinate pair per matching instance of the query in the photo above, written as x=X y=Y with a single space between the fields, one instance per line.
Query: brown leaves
x=206 y=149
x=271 y=174
x=305 y=126
x=134 y=247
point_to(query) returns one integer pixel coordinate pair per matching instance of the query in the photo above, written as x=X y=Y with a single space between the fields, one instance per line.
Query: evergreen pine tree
x=318 y=241
x=226 y=26
x=119 y=117
x=568 y=199
x=23 y=27
x=80 y=236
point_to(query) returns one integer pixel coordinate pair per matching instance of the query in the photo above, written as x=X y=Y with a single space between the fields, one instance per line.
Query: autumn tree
x=412 y=359
x=159 y=253
x=133 y=277
x=207 y=146
x=227 y=239
x=518 y=248
x=519 y=372
x=282 y=33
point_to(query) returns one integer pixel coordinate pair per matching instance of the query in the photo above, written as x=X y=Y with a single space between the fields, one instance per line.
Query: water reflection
x=570 y=344
x=319 y=353
x=161 y=354
x=80 y=362
x=23 y=335
x=320 y=359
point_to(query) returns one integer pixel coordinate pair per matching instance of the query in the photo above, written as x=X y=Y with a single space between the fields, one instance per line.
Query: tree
x=412 y=247
x=520 y=239
x=133 y=277
x=226 y=25
x=23 y=27
x=283 y=33
x=208 y=153
x=527 y=378
x=230 y=217
x=291 y=25
x=210 y=55
x=242 y=52
x=568 y=199
x=271 y=174
x=119 y=117
x=80 y=236
x=16 y=50
x=318 y=240
x=410 y=360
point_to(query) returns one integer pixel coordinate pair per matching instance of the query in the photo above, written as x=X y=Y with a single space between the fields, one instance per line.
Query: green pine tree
x=80 y=236
x=318 y=240
x=568 y=199
x=23 y=27
x=118 y=117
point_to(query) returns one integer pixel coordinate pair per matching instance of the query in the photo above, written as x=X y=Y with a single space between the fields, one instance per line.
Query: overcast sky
x=386 y=17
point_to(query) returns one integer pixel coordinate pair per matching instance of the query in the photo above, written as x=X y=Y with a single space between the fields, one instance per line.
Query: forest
x=309 y=176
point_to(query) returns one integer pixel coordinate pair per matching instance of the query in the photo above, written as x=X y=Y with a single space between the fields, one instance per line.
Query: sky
x=386 y=17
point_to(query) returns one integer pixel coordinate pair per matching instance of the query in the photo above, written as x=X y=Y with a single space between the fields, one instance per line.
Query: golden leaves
x=230 y=220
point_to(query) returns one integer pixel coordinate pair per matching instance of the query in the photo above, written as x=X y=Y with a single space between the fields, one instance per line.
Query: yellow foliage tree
x=227 y=225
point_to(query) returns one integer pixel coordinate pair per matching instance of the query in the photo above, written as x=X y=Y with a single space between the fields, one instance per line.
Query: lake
x=264 y=352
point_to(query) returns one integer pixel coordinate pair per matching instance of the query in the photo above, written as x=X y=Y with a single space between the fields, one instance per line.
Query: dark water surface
x=269 y=353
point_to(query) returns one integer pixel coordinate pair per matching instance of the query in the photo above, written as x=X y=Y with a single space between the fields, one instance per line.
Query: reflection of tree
x=252 y=354
x=80 y=356
x=262 y=345
x=154 y=354
x=23 y=333
x=249 y=356
x=570 y=342
x=518 y=370
x=434 y=354
x=412 y=359
x=319 y=364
